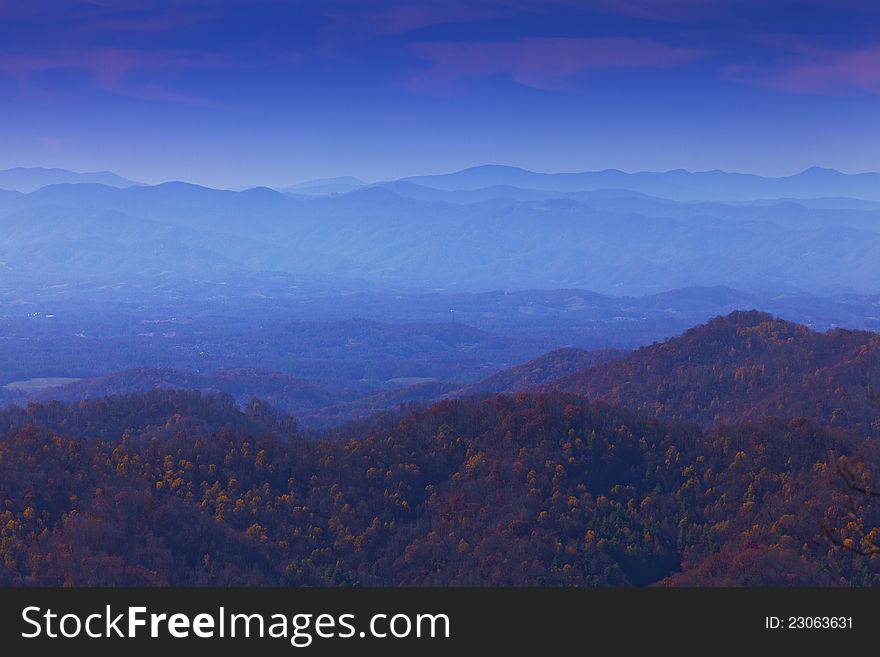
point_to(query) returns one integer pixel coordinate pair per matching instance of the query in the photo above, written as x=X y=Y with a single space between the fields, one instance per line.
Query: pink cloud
x=50 y=144
x=110 y=69
x=662 y=11
x=817 y=70
x=542 y=62
x=142 y=27
x=404 y=16
x=410 y=17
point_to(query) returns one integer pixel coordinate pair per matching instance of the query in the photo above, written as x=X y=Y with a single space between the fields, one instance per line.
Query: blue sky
x=268 y=92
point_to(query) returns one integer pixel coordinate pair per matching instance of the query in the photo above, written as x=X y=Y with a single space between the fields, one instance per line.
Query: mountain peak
x=493 y=167
x=820 y=171
x=740 y=318
x=745 y=365
x=726 y=330
x=262 y=192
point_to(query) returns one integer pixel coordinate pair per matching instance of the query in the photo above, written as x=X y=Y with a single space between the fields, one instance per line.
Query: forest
x=541 y=487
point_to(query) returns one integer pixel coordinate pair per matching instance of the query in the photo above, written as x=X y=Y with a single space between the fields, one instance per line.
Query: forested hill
x=543 y=370
x=536 y=489
x=746 y=365
x=157 y=414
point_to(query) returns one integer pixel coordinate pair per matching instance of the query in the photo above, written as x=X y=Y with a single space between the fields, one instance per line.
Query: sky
x=236 y=93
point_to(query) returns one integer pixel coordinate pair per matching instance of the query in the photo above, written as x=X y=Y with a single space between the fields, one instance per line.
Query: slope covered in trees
x=747 y=365
x=281 y=391
x=544 y=369
x=312 y=404
x=179 y=488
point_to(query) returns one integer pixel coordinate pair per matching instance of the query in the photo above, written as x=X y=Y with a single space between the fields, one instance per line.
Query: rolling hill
x=178 y=488
x=543 y=370
x=747 y=365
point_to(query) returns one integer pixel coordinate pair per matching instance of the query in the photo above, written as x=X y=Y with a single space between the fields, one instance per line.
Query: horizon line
x=409 y=177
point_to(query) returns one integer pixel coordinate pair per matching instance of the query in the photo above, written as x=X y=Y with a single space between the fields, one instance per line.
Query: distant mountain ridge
x=490 y=181
x=678 y=184
x=326 y=186
x=30 y=179
x=620 y=234
x=503 y=181
x=623 y=245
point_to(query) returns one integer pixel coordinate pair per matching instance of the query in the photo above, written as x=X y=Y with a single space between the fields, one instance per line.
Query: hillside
x=543 y=370
x=285 y=392
x=746 y=365
x=743 y=366
x=188 y=487
x=158 y=414
x=542 y=489
x=318 y=406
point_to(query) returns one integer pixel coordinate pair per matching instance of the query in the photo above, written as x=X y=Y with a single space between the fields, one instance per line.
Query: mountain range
x=677 y=184
x=616 y=242
x=500 y=181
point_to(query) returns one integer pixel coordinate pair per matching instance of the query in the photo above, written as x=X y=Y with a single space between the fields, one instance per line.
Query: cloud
x=112 y=70
x=50 y=144
x=404 y=18
x=661 y=11
x=543 y=63
x=816 y=70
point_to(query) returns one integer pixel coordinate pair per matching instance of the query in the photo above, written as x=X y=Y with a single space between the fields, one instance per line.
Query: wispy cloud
x=405 y=17
x=112 y=70
x=805 y=67
x=543 y=63
x=661 y=11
